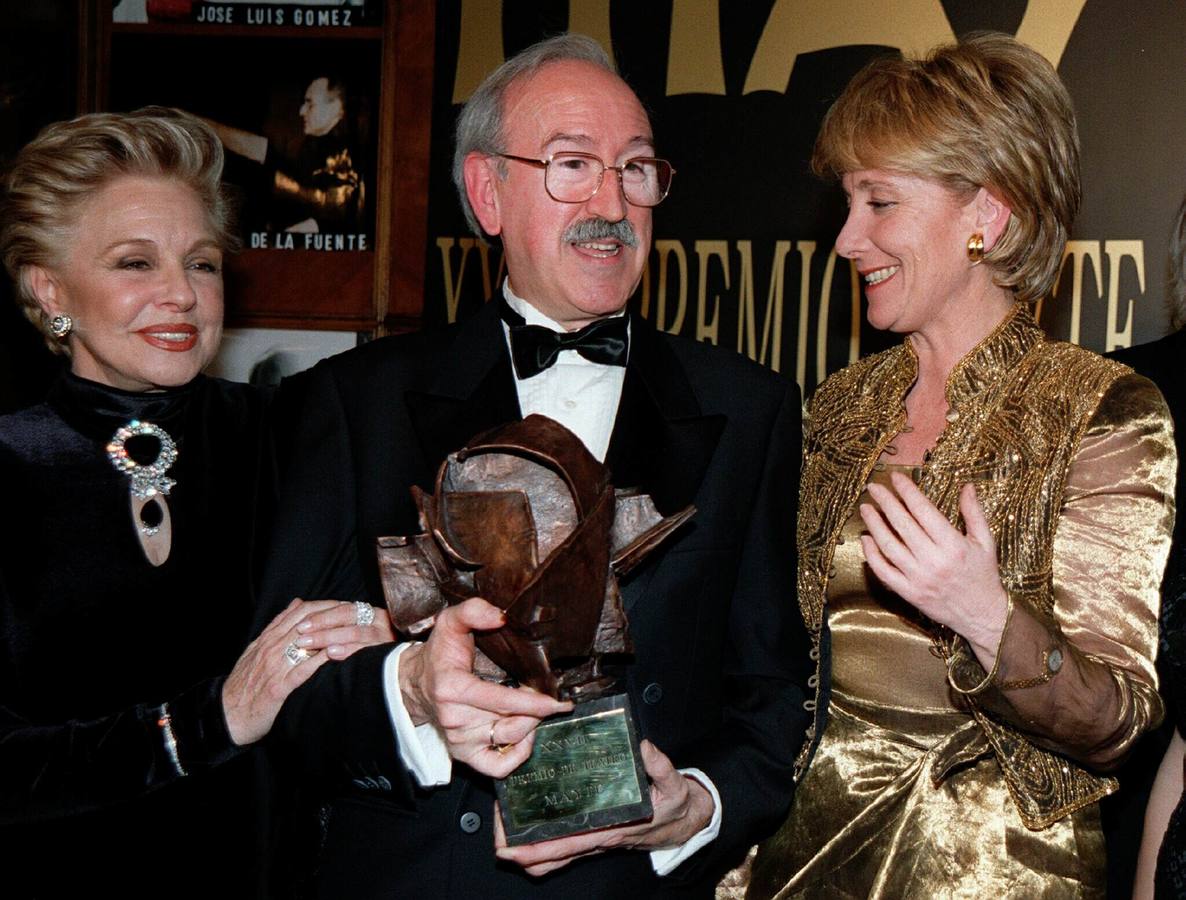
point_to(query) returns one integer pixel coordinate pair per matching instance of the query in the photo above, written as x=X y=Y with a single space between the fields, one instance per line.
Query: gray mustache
x=600 y=229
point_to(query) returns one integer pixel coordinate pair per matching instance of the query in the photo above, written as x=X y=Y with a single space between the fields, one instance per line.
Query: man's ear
x=44 y=287
x=992 y=215
x=481 y=177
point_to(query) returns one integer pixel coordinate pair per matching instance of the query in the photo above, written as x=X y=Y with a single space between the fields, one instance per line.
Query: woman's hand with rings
x=270 y=669
x=344 y=628
x=950 y=576
x=295 y=644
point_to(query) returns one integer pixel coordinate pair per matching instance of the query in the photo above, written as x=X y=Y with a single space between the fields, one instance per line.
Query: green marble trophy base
x=585 y=772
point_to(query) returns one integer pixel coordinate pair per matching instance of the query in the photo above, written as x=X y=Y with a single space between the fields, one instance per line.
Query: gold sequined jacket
x=1074 y=683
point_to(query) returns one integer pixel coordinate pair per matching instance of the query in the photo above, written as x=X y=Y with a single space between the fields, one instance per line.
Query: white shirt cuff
x=422 y=748
x=665 y=861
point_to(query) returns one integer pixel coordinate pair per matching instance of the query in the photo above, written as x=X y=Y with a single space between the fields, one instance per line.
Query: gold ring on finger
x=500 y=749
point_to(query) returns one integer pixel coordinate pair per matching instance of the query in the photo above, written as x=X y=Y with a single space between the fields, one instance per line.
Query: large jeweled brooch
x=148 y=486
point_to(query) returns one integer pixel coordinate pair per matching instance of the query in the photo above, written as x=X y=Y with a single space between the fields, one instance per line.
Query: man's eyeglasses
x=572 y=177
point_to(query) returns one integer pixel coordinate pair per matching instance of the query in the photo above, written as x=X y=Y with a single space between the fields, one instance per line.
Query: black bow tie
x=535 y=348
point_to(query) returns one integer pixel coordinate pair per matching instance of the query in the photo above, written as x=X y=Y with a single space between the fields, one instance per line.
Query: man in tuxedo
x=555 y=158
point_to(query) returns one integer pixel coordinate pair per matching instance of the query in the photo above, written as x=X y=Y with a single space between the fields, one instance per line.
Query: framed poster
x=279 y=13
x=324 y=108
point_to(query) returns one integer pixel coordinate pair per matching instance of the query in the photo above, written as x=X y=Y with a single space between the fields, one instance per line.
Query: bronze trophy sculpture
x=525 y=517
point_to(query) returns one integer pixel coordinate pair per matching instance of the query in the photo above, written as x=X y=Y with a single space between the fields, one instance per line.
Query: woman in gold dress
x=984 y=514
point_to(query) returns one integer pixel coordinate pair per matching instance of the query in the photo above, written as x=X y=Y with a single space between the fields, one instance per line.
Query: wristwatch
x=1052 y=659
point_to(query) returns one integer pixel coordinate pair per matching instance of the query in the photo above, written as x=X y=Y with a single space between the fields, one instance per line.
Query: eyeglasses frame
x=547 y=161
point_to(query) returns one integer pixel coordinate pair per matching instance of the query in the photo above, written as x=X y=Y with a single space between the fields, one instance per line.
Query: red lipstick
x=174 y=337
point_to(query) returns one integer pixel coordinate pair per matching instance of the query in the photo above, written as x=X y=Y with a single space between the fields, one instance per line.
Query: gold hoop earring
x=976 y=248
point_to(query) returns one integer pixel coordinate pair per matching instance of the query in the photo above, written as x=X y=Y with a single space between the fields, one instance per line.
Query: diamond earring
x=60 y=326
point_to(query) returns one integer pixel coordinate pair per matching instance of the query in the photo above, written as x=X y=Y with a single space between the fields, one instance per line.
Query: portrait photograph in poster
x=276 y=13
x=297 y=121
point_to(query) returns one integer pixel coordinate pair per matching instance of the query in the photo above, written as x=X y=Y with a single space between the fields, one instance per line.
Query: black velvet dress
x=95 y=640
x=1161 y=361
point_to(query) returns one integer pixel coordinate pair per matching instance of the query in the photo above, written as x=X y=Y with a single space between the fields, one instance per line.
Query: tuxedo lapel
x=473 y=391
x=661 y=442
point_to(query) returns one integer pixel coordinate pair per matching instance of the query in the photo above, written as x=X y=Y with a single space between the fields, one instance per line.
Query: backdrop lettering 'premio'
x=743 y=252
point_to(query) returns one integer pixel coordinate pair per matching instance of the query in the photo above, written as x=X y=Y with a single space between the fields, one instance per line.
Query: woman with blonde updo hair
x=134 y=496
x=984 y=514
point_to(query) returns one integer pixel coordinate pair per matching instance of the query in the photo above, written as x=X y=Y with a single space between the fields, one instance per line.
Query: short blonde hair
x=68 y=162
x=984 y=112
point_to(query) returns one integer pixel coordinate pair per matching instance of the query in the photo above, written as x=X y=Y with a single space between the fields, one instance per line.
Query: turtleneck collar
x=98 y=410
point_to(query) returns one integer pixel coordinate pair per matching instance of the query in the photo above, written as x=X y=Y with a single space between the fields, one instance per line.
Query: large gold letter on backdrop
x=675 y=250
x=479 y=46
x=1117 y=252
x=1047 y=26
x=1078 y=252
x=804 y=26
x=770 y=351
x=694 y=55
x=708 y=327
x=591 y=17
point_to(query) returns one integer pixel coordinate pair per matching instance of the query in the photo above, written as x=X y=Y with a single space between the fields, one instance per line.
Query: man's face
x=322 y=109
x=570 y=277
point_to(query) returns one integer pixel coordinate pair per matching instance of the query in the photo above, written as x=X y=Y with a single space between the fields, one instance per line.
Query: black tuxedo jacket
x=721 y=658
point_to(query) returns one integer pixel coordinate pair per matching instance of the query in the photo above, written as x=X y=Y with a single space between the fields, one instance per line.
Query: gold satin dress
x=868 y=821
x=931 y=778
